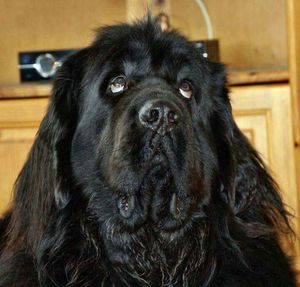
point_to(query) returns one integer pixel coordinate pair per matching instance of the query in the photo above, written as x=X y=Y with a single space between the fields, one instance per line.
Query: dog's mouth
x=158 y=199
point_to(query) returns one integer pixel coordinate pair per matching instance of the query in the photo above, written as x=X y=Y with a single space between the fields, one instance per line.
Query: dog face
x=144 y=133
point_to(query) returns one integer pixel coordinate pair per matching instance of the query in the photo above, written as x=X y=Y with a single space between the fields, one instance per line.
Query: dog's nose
x=159 y=116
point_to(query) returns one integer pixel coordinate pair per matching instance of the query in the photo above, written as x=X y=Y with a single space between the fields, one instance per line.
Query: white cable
x=205 y=14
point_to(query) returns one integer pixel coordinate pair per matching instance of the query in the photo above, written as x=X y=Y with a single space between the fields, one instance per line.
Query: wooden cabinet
x=19 y=120
x=264 y=114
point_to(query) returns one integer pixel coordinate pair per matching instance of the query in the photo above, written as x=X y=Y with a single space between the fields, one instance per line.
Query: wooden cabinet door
x=19 y=120
x=264 y=114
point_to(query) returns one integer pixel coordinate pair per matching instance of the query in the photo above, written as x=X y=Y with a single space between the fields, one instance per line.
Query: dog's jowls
x=140 y=177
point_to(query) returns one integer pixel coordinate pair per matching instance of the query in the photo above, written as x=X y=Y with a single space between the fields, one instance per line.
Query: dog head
x=144 y=128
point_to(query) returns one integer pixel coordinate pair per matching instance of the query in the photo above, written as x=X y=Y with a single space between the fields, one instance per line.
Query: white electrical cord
x=205 y=14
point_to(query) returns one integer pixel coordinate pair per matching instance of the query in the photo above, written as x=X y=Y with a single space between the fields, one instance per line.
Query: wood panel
x=265 y=113
x=136 y=9
x=266 y=110
x=43 y=25
x=252 y=33
x=25 y=90
x=19 y=120
x=254 y=125
x=14 y=146
x=293 y=17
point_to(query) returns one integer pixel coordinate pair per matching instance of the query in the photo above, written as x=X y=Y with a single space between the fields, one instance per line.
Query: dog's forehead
x=155 y=53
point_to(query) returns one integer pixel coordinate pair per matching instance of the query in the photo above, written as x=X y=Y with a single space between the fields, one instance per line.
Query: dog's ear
x=250 y=190
x=42 y=186
x=60 y=122
x=58 y=126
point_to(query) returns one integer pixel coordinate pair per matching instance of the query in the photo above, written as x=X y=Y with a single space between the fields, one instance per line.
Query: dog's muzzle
x=157 y=200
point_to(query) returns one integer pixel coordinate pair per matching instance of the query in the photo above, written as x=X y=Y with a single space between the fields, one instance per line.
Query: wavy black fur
x=66 y=226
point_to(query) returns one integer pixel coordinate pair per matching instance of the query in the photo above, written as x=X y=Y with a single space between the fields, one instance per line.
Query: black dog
x=140 y=177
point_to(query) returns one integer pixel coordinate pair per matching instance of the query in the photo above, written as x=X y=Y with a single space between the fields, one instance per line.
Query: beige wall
x=50 y=24
x=252 y=33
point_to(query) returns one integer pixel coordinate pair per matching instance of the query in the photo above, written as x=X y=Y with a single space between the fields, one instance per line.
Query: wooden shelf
x=249 y=77
x=30 y=90
x=235 y=78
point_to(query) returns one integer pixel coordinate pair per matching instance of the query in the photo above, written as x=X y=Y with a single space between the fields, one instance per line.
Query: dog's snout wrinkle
x=175 y=206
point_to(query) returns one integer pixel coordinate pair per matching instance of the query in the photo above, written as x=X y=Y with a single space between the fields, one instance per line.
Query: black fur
x=104 y=201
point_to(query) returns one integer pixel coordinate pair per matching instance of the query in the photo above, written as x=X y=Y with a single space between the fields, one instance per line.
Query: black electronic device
x=209 y=49
x=41 y=65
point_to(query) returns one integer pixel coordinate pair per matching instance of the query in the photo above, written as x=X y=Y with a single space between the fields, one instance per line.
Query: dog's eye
x=185 y=89
x=118 y=84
